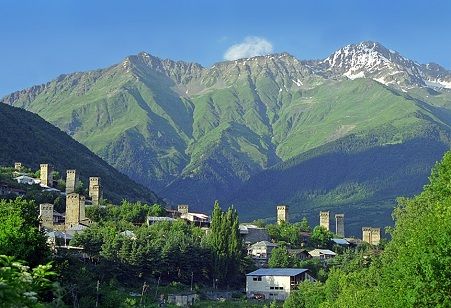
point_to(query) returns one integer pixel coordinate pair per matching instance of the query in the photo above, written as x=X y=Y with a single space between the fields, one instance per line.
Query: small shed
x=183 y=300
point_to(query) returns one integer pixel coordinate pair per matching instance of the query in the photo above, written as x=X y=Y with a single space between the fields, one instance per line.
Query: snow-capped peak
x=372 y=60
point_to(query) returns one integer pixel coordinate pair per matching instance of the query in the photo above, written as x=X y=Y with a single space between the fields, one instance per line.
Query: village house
x=150 y=220
x=340 y=242
x=58 y=238
x=25 y=179
x=183 y=300
x=198 y=219
x=252 y=234
x=275 y=283
x=299 y=254
x=261 y=252
x=322 y=254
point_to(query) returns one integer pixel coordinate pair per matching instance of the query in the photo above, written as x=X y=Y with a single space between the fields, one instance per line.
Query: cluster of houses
x=60 y=227
x=277 y=283
x=267 y=283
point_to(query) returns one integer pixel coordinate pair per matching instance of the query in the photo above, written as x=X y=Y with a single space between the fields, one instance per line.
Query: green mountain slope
x=27 y=138
x=198 y=134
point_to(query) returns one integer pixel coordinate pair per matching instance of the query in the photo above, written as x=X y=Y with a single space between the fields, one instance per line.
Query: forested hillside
x=27 y=138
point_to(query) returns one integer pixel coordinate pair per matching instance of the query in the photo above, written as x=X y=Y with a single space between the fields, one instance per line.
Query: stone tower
x=366 y=234
x=282 y=214
x=340 y=225
x=71 y=181
x=46 y=214
x=375 y=236
x=183 y=208
x=17 y=166
x=324 y=220
x=75 y=209
x=46 y=175
x=95 y=189
x=371 y=235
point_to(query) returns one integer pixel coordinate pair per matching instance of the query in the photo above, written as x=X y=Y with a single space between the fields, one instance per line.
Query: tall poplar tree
x=226 y=244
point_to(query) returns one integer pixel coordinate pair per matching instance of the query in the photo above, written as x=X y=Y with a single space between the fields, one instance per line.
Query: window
x=271 y=288
x=257 y=278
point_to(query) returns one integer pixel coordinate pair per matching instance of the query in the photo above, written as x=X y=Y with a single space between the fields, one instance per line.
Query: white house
x=322 y=254
x=260 y=252
x=198 y=219
x=25 y=179
x=275 y=283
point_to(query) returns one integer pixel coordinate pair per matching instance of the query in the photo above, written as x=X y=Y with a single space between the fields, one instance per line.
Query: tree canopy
x=19 y=233
x=414 y=269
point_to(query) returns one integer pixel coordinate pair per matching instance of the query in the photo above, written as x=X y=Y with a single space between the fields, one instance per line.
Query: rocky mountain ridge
x=196 y=134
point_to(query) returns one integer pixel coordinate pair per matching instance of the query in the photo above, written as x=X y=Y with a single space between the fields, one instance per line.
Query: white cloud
x=250 y=47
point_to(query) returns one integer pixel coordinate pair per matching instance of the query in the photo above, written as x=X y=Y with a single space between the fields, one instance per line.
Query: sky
x=41 y=39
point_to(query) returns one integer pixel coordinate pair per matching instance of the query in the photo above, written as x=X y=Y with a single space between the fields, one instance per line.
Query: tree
x=413 y=270
x=287 y=232
x=21 y=286
x=304 y=225
x=19 y=231
x=280 y=257
x=321 y=237
x=309 y=294
x=226 y=244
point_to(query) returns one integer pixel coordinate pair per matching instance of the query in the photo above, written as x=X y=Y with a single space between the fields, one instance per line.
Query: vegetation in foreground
x=414 y=269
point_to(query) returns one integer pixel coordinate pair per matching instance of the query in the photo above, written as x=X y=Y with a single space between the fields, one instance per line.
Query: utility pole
x=158 y=284
x=192 y=277
x=142 y=292
x=97 y=293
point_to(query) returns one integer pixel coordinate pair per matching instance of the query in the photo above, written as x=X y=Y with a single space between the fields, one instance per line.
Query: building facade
x=260 y=252
x=282 y=214
x=324 y=220
x=95 y=190
x=340 y=225
x=75 y=209
x=371 y=235
x=46 y=175
x=71 y=181
x=275 y=283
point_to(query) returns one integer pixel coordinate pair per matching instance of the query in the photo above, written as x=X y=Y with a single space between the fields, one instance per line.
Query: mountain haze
x=350 y=130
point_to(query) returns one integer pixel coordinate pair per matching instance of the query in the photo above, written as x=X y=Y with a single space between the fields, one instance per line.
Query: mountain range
x=347 y=133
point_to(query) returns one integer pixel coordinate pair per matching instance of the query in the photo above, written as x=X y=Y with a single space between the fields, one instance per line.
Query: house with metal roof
x=322 y=254
x=25 y=179
x=155 y=219
x=252 y=234
x=340 y=242
x=275 y=283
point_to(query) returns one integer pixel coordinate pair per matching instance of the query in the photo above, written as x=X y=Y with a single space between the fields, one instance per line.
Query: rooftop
x=264 y=243
x=158 y=218
x=317 y=252
x=277 y=272
x=340 y=241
